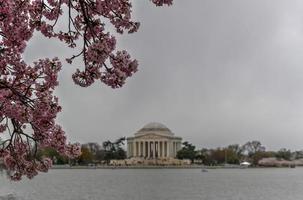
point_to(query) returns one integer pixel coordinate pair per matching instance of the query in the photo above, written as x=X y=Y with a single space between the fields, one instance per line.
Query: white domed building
x=153 y=141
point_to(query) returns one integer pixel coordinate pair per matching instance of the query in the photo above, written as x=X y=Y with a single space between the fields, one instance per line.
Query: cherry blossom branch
x=28 y=107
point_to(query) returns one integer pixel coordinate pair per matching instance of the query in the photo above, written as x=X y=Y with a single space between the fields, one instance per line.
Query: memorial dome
x=154 y=127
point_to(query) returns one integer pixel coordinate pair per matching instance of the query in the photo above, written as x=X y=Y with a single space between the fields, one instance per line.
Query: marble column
x=167 y=149
x=131 y=149
x=155 y=145
x=172 y=149
x=175 y=144
x=137 y=150
x=134 y=145
x=139 y=147
x=146 y=146
x=163 y=155
x=154 y=152
x=165 y=146
x=144 y=149
x=148 y=149
x=175 y=153
x=128 y=150
x=161 y=147
x=151 y=149
x=158 y=149
x=142 y=152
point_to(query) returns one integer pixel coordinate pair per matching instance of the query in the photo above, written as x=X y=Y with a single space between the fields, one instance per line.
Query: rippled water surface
x=153 y=184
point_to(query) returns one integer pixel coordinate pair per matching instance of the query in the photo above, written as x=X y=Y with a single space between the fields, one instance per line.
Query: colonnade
x=153 y=148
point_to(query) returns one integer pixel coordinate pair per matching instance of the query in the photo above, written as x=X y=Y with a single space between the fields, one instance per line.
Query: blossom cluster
x=162 y=2
x=28 y=107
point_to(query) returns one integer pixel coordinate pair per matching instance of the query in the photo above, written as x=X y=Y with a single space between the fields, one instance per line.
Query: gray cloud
x=215 y=72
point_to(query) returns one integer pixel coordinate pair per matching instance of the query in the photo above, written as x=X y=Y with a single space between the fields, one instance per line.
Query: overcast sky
x=215 y=72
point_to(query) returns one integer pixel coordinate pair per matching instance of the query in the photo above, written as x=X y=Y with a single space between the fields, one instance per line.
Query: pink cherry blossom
x=28 y=106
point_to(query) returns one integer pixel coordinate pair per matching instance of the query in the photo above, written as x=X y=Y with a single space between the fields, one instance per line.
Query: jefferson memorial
x=153 y=141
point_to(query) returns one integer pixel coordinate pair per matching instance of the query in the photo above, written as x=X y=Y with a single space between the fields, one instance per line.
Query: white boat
x=244 y=164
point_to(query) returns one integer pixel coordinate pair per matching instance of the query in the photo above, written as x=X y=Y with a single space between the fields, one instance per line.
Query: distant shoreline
x=157 y=167
x=127 y=167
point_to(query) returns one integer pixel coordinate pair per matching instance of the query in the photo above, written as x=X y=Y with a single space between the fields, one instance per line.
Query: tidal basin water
x=158 y=184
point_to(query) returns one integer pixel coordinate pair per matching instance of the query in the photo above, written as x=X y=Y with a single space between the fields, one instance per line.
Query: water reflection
x=153 y=184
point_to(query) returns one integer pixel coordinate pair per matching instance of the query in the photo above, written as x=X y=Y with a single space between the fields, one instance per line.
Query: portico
x=153 y=141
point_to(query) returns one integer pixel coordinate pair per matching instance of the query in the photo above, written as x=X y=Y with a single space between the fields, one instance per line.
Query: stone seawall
x=128 y=167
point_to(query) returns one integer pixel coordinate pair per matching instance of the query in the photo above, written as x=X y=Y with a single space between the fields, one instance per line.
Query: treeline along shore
x=94 y=155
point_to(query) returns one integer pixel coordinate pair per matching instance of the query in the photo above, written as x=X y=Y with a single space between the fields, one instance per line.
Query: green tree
x=206 y=156
x=187 y=152
x=284 y=154
x=237 y=149
x=96 y=150
x=298 y=154
x=86 y=156
x=253 y=147
x=255 y=151
x=114 y=150
x=57 y=158
x=218 y=156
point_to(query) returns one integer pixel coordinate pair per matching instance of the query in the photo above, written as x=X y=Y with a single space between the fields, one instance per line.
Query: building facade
x=153 y=141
